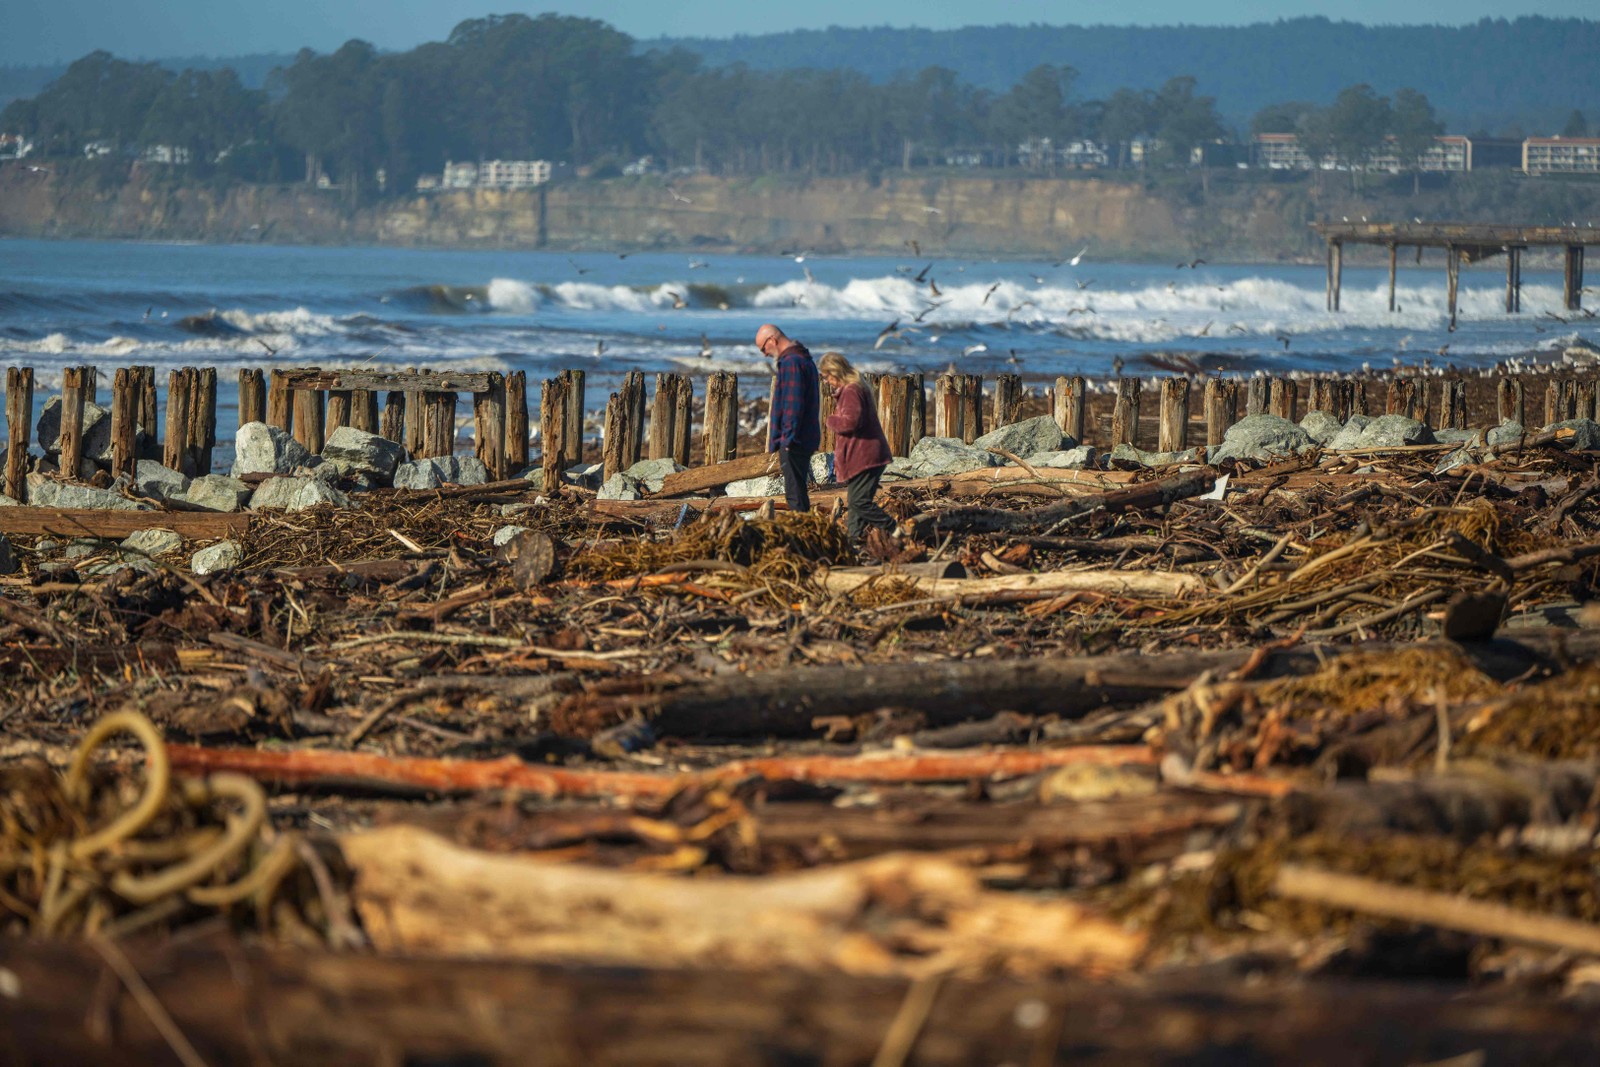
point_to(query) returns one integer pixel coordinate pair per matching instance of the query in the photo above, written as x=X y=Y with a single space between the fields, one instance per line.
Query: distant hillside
x=1530 y=72
x=19 y=82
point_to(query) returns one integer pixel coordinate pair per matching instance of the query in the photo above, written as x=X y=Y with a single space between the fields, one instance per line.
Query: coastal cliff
x=993 y=215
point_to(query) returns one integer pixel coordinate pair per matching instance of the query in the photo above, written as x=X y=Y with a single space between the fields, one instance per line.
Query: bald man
x=795 y=431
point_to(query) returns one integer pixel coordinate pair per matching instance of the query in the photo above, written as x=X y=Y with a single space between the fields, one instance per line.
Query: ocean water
x=111 y=304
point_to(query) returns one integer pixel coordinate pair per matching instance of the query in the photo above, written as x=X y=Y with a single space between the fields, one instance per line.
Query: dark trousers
x=795 y=463
x=861 y=494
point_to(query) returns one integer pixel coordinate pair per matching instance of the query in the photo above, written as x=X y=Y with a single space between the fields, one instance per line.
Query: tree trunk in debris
x=999 y=520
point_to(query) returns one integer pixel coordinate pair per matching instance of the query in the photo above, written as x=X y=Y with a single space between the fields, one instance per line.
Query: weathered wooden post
x=1403 y=398
x=415 y=414
x=1452 y=266
x=1284 y=398
x=916 y=410
x=1125 y=413
x=1007 y=399
x=489 y=426
x=825 y=406
x=895 y=390
x=947 y=405
x=516 y=445
x=364 y=410
x=394 y=417
x=309 y=419
x=125 y=421
x=1510 y=405
x=1173 y=434
x=1356 y=396
x=202 y=432
x=1560 y=401
x=1585 y=408
x=91 y=385
x=1513 y=279
x=1572 y=278
x=1321 y=395
x=1453 y=405
x=1258 y=391
x=71 y=436
x=1222 y=407
x=175 y=453
x=19 y=416
x=572 y=440
x=252 y=395
x=338 y=410
x=721 y=433
x=439 y=424
x=1067 y=402
x=614 y=436
x=280 y=402
x=971 y=407
x=682 y=417
x=633 y=422
x=553 y=400
x=663 y=416
x=149 y=410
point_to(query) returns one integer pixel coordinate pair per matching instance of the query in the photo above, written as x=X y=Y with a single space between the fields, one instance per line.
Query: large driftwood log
x=719 y=474
x=1036 y=520
x=243 y=1004
x=898 y=914
x=1116 y=583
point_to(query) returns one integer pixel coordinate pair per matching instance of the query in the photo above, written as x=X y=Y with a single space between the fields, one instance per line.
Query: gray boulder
x=1129 y=454
x=96 y=429
x=262 y=449
x=435 y=471
x=46 y=493
x=1507 y=433
x=1262 y=438
x=652 y=473
x=1451 y=436
x=129 y=563
x=358 y=450
x=1320 y=426
x=1074 y=459
x=418 y=474
x=296 y=494
x=1585 y=434
x=1460 y=457
x=932 y=457
x=152 y=542
x=1394 y=431
x=506 y=533
x=153 y=480
x=469 y=470
x=222 y=556
x=7 y=502
x=587 y=475
x=766 y=485
x=1350 y=436
x=899 y=469
x=534 y=477
x=620 y=487
x=1025 y=438
x=217 y=492
x=822 y=468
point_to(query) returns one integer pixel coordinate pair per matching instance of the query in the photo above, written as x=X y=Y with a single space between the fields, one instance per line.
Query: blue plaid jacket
x=795 y=403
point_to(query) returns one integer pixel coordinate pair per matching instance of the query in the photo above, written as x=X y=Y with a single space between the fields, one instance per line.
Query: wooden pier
x=1462 y=242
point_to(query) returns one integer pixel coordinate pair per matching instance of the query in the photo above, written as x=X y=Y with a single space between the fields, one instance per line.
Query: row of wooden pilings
x=310 y=404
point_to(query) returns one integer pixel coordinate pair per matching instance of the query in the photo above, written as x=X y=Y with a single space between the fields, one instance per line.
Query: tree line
x=577 y=90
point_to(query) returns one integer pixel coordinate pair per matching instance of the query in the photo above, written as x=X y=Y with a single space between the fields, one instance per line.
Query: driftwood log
x=1045 y=519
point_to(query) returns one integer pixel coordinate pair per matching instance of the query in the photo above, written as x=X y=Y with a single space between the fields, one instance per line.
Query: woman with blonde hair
x=860 y=451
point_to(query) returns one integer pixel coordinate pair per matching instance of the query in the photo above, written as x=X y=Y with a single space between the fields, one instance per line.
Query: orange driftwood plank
x=453 y=776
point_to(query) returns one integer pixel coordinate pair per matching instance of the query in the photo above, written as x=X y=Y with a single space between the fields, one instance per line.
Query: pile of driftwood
x=1309 y=751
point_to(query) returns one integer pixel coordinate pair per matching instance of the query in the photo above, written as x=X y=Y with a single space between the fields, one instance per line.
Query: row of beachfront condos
x=1534 y=155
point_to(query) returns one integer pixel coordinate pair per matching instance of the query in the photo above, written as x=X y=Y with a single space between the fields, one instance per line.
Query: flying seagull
x=678 y=302
x=1192 y=264
x=891 y=330
x=1075 y=260
x=705 y=347
x=581 y=270
x=990 y=293
x=679 y=197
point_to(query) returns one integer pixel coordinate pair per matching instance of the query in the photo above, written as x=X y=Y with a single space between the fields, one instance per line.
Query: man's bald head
x=770 y=336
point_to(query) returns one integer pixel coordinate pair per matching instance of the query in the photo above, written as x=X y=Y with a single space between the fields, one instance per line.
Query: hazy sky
x=47 y=31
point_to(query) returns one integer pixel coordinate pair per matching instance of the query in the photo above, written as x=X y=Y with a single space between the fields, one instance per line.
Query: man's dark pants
x=795 y=464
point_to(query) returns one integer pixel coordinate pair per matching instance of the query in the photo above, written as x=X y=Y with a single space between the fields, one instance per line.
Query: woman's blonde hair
x=835 y=364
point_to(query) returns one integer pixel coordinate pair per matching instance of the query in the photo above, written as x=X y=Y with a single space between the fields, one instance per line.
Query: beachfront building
x=460 y=175
x=177 y=155
x=1278 y=151
x=497 y=174
x=1561 y=155
x=14 y=146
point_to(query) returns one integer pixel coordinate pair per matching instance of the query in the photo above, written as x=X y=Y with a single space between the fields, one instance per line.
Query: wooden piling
x=1453 y=404
x=1125 y=413
x=916 y=410
x=1513 y=279
x=516 y=443
x=1408 y=396
x=553 y=400
x=415 y=414
x=393 y=425
x=1394 y=255
x=663 y=416
x=439 y=424
x=947 y=405
x=1067 y=403
x=633 y=409
x=280 y=402
x=364 y=410
x=1452 y=264
x=489 y=426
x=1335 y=273
x=125 y=420
x=338 y=410
x=614 y=436
x=91 y=385
x=1222 y=408
x=1572 y=278
x=1510 y=405
x=1258 y=390
x=1560 y=400
x=971 y=407
x=71 y=433
x=1320 y=395
x=1283 y=398
x=19 y=417
x=1173 y=432
x=572 y=440
x=721 y=432
x=149 y=410
x=252 y=395
x=1584 y=397
x=309 y=419
x=894 y=391
x=202 y=433
x=682 y=418
x=1007 y=399
x=175 y=452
